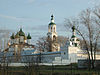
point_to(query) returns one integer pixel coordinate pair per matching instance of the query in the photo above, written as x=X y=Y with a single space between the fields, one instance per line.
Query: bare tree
x=44 y=43
x=62 y=40
x=89 y=31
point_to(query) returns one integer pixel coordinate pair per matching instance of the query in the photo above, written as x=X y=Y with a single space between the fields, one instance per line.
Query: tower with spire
x=12 y=37
x=52 y=30
x=74 y=41
x=22 y=35
x=29 y=39
x=52 y=35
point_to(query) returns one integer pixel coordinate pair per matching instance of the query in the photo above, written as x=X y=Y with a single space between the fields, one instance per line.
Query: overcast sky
x=34 y=15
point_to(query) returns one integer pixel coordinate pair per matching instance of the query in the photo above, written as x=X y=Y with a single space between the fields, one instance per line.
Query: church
x=17 y=43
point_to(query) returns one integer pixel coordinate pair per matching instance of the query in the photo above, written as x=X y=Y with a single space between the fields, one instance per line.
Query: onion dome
x=73 y=36
x=13 y=36
x=73 y=28
x=52 y=21
x=17 y=35
x=28 y=37
x=21 y=33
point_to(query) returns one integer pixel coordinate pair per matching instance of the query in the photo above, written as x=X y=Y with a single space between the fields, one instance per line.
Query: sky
x=34 y=15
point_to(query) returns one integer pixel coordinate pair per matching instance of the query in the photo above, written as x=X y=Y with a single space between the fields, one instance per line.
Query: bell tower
x=52 y=30
x=52 y=36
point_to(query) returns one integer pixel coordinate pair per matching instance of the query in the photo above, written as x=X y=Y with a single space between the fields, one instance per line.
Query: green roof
x=28 y=37
x=17 y=35
x=13 y=36
x=21 y=33
x=73 y=36
x=52 y=23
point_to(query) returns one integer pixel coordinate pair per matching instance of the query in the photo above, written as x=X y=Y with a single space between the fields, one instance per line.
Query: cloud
x=8 y=17
x=16 y=18
x=94 y=2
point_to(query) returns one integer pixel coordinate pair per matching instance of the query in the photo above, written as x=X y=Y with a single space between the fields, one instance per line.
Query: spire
x=73 y=32
x=73 y=28
x=17 y=35
x=21 y=33
x=13 y=36
x=20 y=29
x=52 y=18
x=28 y=37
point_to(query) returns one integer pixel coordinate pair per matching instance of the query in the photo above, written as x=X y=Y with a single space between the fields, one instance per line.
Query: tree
x=89 y=31
x=44 y=45
x=62 y=40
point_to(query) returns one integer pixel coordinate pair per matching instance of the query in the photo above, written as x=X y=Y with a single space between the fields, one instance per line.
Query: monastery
x=20 y=49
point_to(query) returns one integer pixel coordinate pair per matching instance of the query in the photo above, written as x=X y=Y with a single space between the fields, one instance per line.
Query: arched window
x=48 y=37
x=54 y=29
x=54 y=38
x=51 y=29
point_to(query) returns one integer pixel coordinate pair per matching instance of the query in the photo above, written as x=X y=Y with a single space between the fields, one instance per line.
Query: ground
x=47 y=70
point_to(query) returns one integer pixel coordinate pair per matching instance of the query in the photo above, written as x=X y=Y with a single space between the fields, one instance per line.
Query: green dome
x=17 y=35
x=28 y=37
x=52 y=23
x=73 y=36
x=13 y=36
x=21 y=33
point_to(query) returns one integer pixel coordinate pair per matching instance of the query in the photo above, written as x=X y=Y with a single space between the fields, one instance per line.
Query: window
x=54 y=38
x=75 y=44
x=51 y=29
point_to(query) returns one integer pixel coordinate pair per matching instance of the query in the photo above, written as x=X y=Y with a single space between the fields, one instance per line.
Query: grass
x=48 y=70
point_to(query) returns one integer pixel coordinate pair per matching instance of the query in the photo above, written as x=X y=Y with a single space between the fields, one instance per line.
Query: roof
x=27 y=52
x=21 y=33
x=52 y=23
x=28 y=37
x=13 y=36
x=73 y=36
x=47 y=53
x=17 y=35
